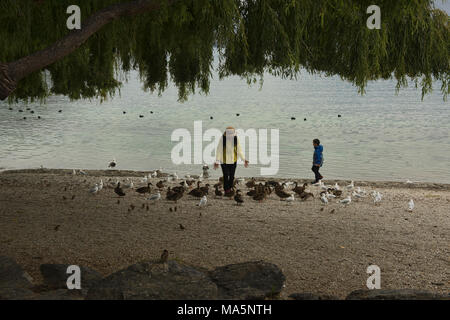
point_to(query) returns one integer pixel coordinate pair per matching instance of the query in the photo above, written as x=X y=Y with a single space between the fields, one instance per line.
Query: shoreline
x=139 y=174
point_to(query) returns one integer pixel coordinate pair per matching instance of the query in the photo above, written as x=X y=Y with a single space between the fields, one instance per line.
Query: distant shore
x=49 y=216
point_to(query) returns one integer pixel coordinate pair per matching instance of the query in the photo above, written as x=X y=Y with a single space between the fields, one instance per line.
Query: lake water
x=379 y=136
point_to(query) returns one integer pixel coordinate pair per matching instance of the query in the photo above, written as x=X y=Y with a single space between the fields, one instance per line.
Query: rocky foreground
x=173 y=280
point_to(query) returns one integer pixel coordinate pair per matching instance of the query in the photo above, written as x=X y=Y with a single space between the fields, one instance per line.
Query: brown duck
x=144 y=190
x=299 y=190
x=217 y=191
x=238 y=198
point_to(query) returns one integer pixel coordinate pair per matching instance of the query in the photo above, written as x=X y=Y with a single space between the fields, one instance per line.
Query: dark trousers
x=317 y=175
x=228 y=175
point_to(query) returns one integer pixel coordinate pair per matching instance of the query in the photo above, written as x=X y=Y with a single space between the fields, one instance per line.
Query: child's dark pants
x=315 y=169
x=228 y=175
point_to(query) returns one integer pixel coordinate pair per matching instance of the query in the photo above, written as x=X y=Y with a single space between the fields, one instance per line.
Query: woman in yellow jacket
x=228 y=151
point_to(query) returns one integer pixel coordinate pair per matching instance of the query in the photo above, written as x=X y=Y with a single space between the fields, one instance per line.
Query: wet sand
x=322 y=249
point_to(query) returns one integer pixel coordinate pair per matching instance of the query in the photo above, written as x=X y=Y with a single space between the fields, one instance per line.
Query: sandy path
x=318 y=251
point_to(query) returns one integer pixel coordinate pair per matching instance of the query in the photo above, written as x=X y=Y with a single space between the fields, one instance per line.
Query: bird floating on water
x=112 y=163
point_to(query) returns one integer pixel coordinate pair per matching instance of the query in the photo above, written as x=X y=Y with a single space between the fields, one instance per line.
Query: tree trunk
x=11 y=73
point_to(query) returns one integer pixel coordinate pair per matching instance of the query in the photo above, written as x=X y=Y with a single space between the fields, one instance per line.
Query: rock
x=311 y=296
x=59 y=294
x=55 y=276
x=15 y=283
x=248 y=280
x=401 y=294
x=155 y=281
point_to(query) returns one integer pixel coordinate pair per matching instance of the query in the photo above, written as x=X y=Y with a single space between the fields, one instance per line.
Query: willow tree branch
x=11 y=73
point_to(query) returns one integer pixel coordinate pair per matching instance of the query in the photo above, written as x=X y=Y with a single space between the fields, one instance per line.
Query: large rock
x=401 y=294
x=55 y=276
x=15 y=283
x=248 y=280
x=311 y=296
x=152 y=280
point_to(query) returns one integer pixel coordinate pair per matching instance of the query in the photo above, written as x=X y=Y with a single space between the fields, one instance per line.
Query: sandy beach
x=48 y=216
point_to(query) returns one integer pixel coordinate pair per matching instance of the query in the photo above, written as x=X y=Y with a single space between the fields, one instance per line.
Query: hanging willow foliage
x=176 y=39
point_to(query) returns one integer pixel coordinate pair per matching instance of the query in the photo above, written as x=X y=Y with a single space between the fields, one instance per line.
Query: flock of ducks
x=192 y=187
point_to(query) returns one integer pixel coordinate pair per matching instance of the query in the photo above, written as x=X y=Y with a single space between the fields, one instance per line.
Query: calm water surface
x=379 y=136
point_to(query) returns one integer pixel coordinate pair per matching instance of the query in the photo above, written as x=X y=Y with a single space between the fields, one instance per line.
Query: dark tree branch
x=11 y=73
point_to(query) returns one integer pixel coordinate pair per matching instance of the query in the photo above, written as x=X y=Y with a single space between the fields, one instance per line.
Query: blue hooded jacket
x=318 y=156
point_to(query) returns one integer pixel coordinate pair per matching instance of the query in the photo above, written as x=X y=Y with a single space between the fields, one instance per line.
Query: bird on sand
x=203 y=202
x=144 y=190
x=238 y=198
x=130 y=184
x=94 y=190
x=411 y=205
x=155 y=197
x=164 y=256
x=217 y=192
x=351 y=185
x=346 y=200
x=118 y=190
x=100 y=185
x=290 y=199
x=377 y=198
x=324 y=199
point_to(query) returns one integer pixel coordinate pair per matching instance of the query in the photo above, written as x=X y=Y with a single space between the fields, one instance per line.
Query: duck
x=160 y=184
x=217 y=192
x=175 y=196
x=112 y=163
x=299 y=190
x=251 y=183
x=282 y=194
x=305 y=195
x=197 y=192
x=205 y=189
x=252 y=193
x=259 y=196
x=238 y=198
x=118 y=190
x=144 y=190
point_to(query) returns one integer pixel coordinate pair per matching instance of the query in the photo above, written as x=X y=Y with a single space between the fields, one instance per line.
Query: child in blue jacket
x=317 y=160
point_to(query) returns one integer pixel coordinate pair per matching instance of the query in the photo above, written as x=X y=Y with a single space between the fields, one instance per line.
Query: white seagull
x=203 y=201
x=377 y=198
x=290 y=199
x=351 y=185
x=130 y=184
x=100 y=185
x=155 y=197
x=346 y=200
x=411 y=205
x=336 y=186
x=94 y=190
x=324 y=199
x=74 y=172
